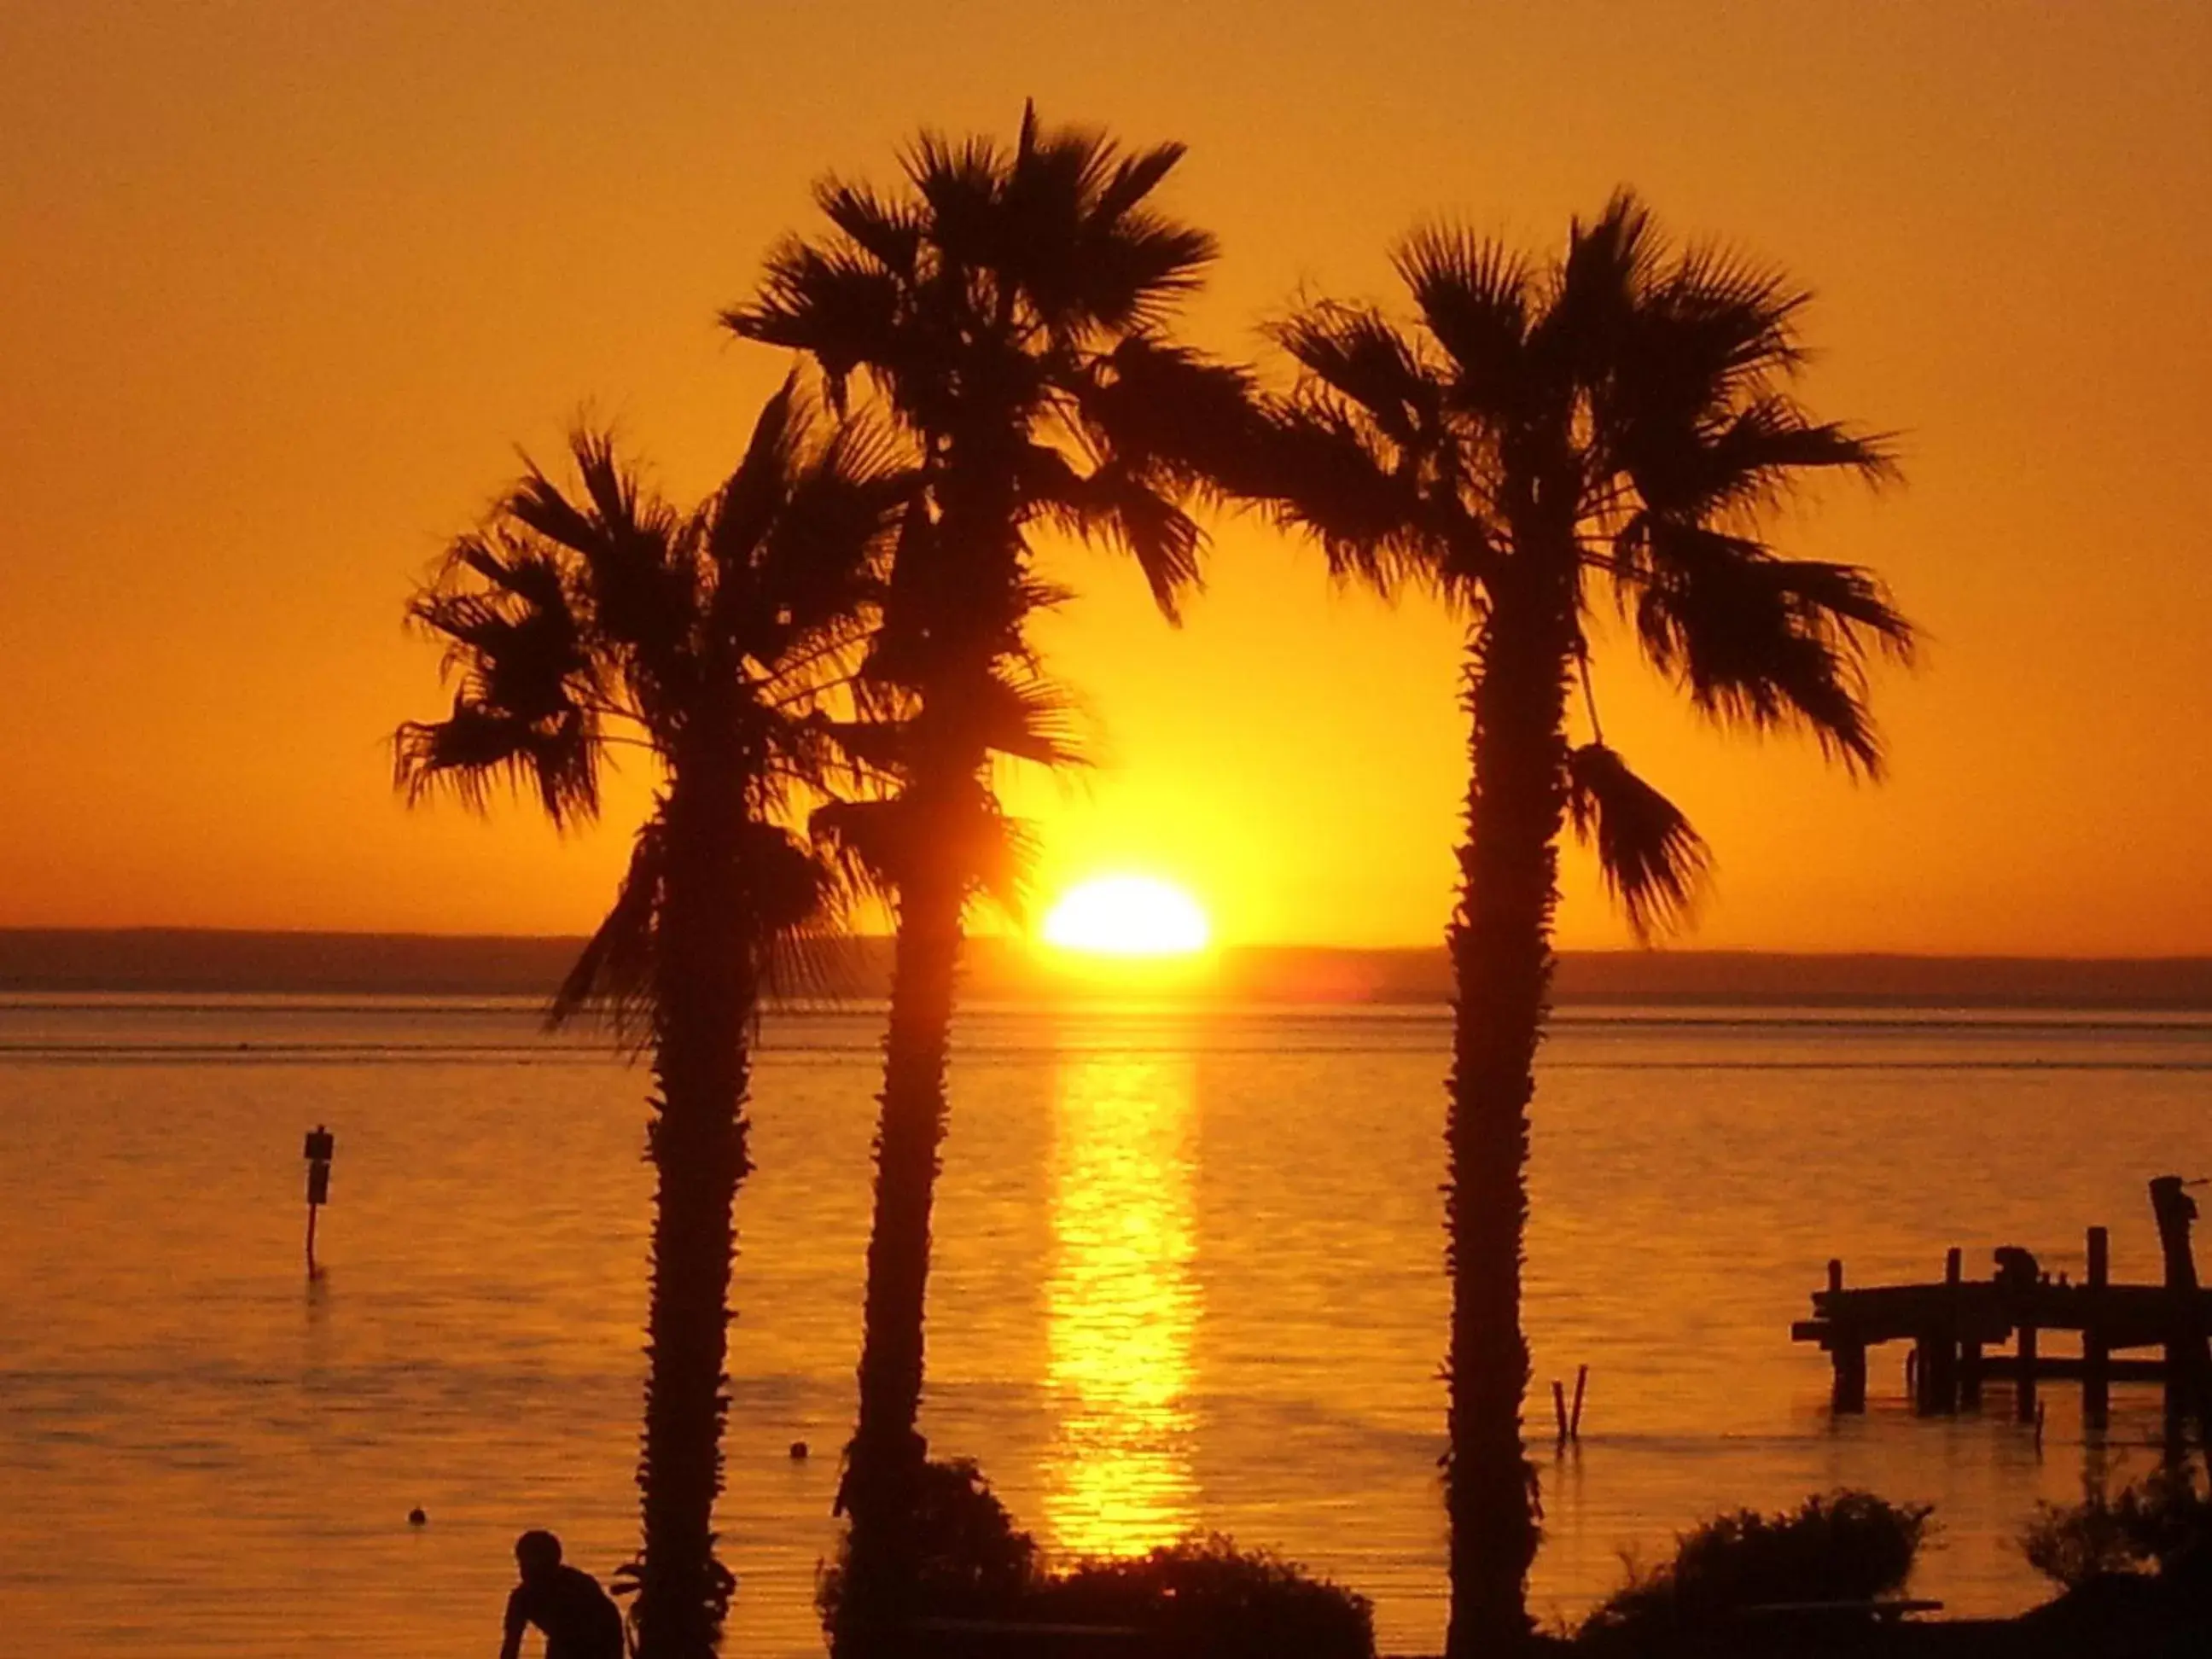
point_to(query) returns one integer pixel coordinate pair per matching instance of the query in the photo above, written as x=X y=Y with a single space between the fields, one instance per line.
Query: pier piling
x=2096 y=1351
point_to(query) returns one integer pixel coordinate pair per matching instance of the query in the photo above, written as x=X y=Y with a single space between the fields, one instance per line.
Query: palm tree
x=576 y=622
x=1616 y=422
x=1008 y=307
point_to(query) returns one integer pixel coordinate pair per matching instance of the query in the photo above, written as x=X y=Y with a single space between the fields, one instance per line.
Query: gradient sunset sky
x=285 y=282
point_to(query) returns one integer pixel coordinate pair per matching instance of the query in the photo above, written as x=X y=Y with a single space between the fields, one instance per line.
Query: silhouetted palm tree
x=575 y=622
x=1616 y=422
x=1008 y=307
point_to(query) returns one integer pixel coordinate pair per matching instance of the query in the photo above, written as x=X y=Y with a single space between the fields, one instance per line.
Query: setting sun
x=1128 y=916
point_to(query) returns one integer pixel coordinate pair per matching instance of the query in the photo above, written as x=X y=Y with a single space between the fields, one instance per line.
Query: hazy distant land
x=205 y=962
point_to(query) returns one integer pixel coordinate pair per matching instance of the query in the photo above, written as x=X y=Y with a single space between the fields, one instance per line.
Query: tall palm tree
x=576 y=621
x=1616 y=422
x=1009 y=308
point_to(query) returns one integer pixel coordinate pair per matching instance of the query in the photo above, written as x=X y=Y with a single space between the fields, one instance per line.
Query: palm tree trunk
x=1502 y=965
x=705 y=994
x=888 y=1450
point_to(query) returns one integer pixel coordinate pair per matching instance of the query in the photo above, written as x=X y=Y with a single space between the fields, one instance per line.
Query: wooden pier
x=1954 y=1325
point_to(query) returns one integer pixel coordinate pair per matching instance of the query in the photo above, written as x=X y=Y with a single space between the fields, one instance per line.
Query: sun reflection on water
x=1122 y=1304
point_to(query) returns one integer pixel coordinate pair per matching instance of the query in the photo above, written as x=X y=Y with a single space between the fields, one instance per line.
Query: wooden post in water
x=321 y=1146
x=1848 y=1355
x=2024 y=1388
x=1947 y=1346
x=1850 y=1392
x=2096 y=1349
x=2187 y=1364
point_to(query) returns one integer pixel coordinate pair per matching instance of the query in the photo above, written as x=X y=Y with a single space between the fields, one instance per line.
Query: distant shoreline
x=215 y=962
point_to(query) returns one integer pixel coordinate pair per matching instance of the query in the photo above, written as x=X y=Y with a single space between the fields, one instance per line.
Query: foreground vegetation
x=1202 y=1598
x=2160 y=1526
x=1847 y=1546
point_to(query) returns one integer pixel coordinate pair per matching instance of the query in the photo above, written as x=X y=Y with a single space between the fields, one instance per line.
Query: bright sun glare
x=1128 y=916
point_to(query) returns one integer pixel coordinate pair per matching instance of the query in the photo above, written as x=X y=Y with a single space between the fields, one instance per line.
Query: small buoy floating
x=799 y=1451
x=416 y=1517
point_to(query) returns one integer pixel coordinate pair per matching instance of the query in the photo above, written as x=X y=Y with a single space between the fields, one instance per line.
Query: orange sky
x=285 y=282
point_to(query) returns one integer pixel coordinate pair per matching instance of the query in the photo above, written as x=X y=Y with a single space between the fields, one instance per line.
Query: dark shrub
x=1201 y=1599
x=1845 y=1546
x=2162 y=1523
x=1206 y=1599
x=977 y=1563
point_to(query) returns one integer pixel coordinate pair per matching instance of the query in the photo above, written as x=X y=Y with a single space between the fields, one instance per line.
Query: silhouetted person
x=2016 y=1267
x=578 y=1618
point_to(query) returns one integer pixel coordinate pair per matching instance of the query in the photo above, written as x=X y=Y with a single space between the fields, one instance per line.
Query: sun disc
x=1128 y=916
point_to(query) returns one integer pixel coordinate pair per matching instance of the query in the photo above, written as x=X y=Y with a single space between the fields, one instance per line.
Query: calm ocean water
x=1187 y=1276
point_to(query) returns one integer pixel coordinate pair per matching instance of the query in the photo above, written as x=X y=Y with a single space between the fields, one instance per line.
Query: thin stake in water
x=321 y=1146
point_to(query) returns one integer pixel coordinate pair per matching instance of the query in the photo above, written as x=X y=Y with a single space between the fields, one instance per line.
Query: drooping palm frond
x=525 y=711
x=613 y=974
x=869 y=842
x=1766 y=642
x=1366 y=360
x=1182 y=421
x=475 y=748
x=1324 y=472
x=1650 y=857
x=1004 y=856
x=1026 y=716
x=1116 y=503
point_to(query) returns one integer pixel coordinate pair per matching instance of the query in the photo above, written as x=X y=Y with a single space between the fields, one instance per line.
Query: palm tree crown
x=578 y=622
x=1621 y=418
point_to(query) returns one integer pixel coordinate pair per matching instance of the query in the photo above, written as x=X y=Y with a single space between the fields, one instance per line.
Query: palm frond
x=526 y=711
x=890 y=231
x=1766 y=642
x=1174 y=414
x=1359 y=354
x=1002 y=858
x=1653 y=862
x=1610 y=264
x=837 y=304
x=636 y=553
x=871 y=843
x=1323 y=470
x=1114 y=502
x=1473 y=294
x=1026 y=716
x=751 y=499
x=476 y=747
x=613 y=975
x=1141 y=273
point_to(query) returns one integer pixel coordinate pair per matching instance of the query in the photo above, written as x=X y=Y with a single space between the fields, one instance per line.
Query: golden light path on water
x=1122 y=1304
